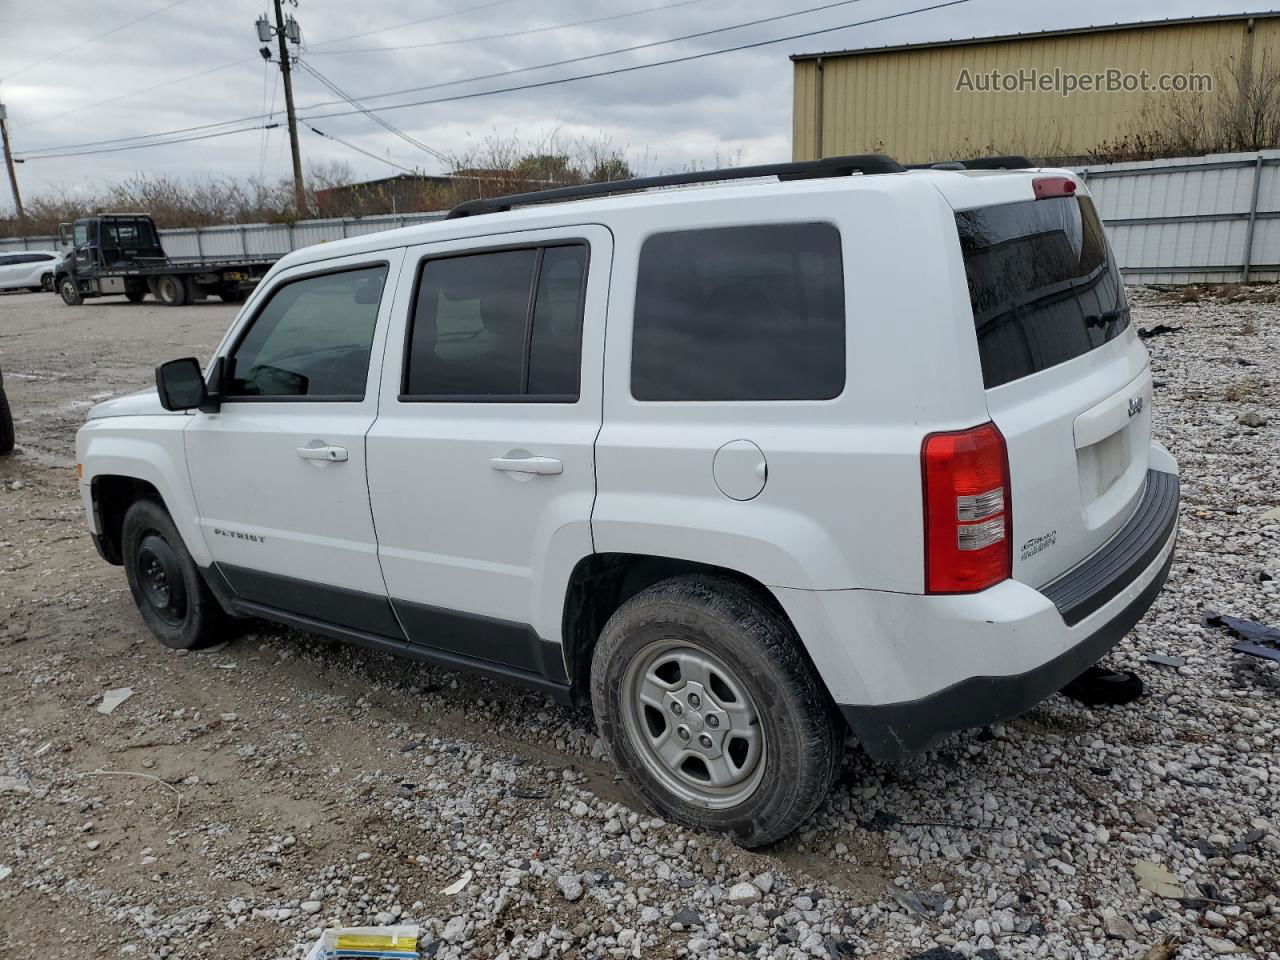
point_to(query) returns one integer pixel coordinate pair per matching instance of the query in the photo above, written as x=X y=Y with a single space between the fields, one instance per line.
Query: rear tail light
x=968 y=523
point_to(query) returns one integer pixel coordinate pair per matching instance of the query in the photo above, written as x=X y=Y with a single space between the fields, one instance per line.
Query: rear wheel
x=171 y=595
x=171 y=291
x=712 y=710
x=70 y=292
x=135 y=296
x=46 y=283
x=232 y=296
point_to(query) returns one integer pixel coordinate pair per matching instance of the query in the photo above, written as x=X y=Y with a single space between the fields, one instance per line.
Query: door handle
x=542 y=466
x=326 y=452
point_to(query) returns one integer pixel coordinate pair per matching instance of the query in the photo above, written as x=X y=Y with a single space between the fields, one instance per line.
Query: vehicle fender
x=778 y=548
x=148 y=449
x=776 y=545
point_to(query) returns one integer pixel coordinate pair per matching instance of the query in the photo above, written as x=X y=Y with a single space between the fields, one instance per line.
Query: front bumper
x=1097 y=603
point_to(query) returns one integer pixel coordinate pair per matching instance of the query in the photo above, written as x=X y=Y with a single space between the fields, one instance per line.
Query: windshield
x=1042 y=283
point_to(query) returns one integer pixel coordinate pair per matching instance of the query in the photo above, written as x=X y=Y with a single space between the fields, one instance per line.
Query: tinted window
x=127 y=233
x=740 y=313
x=499 y=324
x=557 y=322
x=312 y=339
x=1042 y=284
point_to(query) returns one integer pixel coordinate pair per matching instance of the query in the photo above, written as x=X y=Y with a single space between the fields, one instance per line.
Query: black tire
x=46 y=283
x=7 y=437
x=134 y=296
x=232 y=296
x=171 y=291
x=70 y=292
x=171 y=595
x=794 y=720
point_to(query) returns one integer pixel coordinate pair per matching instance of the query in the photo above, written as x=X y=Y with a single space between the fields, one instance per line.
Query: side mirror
x=181 y=385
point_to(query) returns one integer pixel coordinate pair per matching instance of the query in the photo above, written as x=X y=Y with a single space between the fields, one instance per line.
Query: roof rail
x=1010 y=162
x=805 y=170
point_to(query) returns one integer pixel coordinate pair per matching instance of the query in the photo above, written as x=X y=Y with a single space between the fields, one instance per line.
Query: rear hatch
x=1067 y=380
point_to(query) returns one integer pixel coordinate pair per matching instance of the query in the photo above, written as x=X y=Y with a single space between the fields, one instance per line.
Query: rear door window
x=740 y=313
x=499 y=325
x=1042 y=283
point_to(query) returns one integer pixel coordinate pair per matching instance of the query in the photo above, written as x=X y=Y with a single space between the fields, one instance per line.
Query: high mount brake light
x=1046 y=187
x=968 y=519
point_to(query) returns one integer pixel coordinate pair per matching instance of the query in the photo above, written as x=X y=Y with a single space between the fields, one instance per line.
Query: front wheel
x=712 y=710
x=70 y=292
x=171 y=595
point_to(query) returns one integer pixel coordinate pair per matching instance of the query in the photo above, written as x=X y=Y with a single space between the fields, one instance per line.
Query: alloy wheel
x=693 y=723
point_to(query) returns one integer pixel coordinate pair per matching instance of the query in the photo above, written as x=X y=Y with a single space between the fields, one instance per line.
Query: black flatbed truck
x=119 y=254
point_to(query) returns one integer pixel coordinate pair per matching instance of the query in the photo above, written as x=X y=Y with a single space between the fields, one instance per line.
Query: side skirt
x=533 y=662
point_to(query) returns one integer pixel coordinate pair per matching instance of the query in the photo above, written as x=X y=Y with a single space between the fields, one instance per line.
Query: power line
x=410 y=23
x=645 y=66
x=385 y=124
x=329 y=136
x=85 y=43
x=134 y=93
x=313 y=106
x=141 y=136
x=266 y=130
x=605 y=53
x=262 y=145
x=155 y=143
x=513 y=33
x=486 y=93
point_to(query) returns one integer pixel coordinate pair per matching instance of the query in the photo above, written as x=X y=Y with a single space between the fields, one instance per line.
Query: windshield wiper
x=1105 y=317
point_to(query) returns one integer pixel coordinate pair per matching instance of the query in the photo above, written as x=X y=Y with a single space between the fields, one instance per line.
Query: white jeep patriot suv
x=739 y=464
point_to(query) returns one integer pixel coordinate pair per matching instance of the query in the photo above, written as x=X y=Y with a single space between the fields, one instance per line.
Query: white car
x=746 y=466
x=28 y=269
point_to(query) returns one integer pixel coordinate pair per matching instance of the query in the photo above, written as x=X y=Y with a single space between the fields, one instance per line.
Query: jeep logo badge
x=1135 y=406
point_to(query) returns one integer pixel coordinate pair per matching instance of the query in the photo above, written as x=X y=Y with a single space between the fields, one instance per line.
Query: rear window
x=740 y=313
x=1043 y=286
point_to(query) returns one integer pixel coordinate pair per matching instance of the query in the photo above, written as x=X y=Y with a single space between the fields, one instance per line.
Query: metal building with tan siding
x=931 y=102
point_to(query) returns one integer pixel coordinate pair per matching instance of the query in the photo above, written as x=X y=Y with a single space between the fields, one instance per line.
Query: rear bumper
x=1092 y=607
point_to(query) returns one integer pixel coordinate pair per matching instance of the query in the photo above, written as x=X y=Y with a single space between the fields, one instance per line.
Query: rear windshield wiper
x=1105 y=317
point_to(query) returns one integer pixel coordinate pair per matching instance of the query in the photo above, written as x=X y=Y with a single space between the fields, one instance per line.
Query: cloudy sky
x=171 y=66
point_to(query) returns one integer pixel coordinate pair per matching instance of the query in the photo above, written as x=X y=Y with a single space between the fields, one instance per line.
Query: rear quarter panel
x=841 y=507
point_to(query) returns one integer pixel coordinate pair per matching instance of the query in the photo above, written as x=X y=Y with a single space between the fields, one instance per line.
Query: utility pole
x=287 y=31
x=8 y=162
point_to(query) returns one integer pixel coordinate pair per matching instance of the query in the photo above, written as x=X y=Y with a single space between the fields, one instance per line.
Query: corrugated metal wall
x=1192 y=219
x=1171 y=221
x=905 y=102
x=252 y=239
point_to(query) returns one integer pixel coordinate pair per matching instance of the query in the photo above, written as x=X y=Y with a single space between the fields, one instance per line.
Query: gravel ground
x=243 y=797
